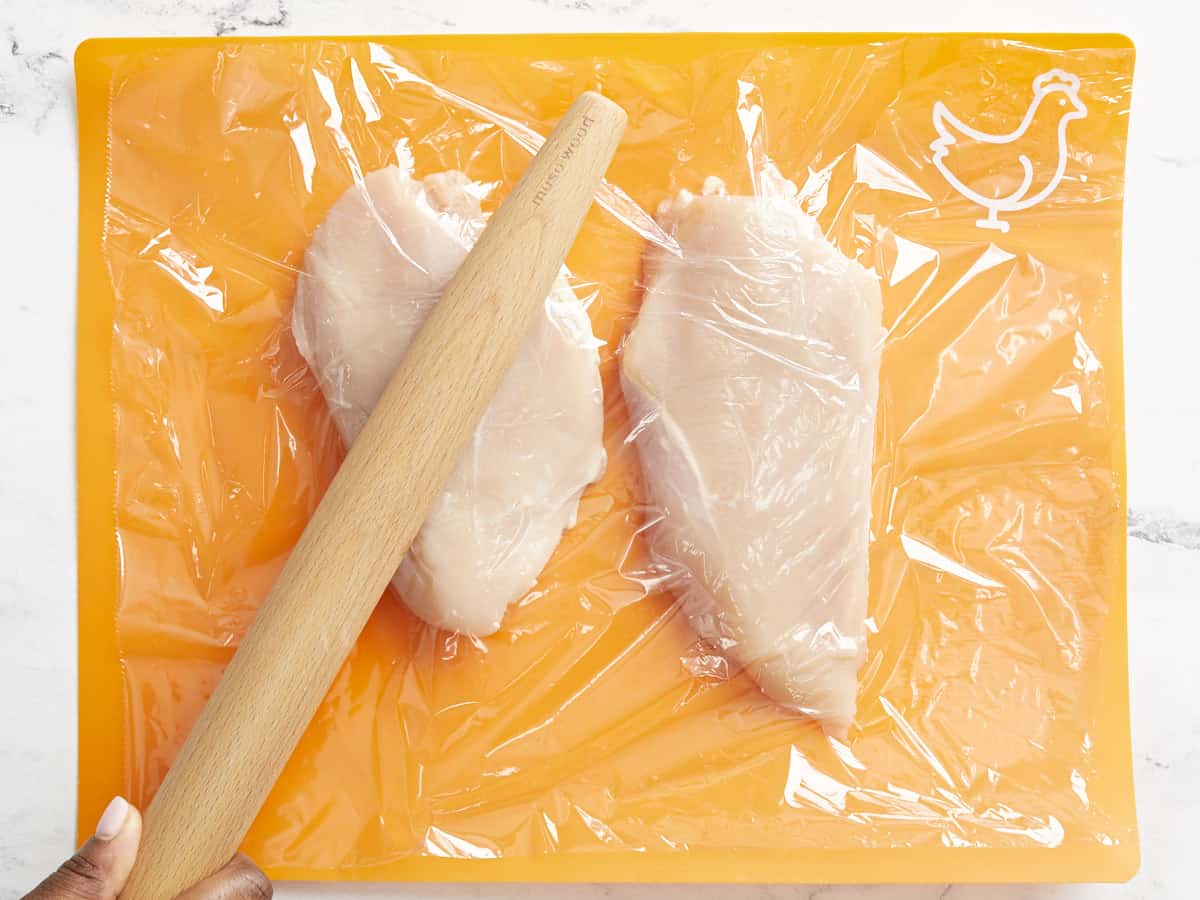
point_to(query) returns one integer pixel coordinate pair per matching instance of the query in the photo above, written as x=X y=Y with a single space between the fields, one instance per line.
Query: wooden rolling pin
x=371 y=512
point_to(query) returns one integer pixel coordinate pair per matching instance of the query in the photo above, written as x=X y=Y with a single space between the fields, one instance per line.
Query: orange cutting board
x=594 y=738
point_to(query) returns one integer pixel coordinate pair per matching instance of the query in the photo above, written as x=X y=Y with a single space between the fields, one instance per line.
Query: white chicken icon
x=983 y=167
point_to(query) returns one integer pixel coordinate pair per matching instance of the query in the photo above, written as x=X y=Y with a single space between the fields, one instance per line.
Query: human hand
x=100 y=868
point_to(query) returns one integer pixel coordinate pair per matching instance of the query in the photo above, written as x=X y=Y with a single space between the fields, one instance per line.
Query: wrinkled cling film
x=603 y=720
x=610 y=197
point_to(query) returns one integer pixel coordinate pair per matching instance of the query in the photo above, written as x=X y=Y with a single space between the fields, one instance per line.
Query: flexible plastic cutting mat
x=593 y=738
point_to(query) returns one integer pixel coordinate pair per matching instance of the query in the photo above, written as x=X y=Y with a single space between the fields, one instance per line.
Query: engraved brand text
x=560 y=164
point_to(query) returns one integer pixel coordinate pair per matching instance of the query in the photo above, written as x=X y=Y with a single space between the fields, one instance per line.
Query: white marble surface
x=37 y=247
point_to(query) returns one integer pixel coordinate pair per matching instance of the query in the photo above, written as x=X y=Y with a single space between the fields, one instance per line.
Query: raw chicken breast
x=752 y=376
x=372 y=273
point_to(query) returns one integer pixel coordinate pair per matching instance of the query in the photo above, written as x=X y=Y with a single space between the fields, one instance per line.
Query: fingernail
x=113 y=818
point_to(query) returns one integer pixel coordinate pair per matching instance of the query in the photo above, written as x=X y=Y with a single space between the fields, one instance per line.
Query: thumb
x=100 y=868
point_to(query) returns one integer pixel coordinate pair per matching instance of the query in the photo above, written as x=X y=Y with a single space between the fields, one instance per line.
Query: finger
x=241 y=879
x=100 y=868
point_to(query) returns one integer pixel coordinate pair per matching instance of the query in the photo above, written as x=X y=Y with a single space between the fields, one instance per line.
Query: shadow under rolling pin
x=371 y=512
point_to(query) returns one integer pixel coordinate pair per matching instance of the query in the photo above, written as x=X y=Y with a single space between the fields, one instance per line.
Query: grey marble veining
x=37 y=222
x=33 y=81
x=1164 y=530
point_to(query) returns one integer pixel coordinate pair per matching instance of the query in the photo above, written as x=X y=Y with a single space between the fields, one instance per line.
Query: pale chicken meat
x=373 y=271
x=752 y=378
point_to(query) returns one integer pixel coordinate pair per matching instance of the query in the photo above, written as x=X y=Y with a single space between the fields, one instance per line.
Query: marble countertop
x=37 y=514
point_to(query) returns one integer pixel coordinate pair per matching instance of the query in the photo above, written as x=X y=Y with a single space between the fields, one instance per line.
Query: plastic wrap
x=616 y=725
